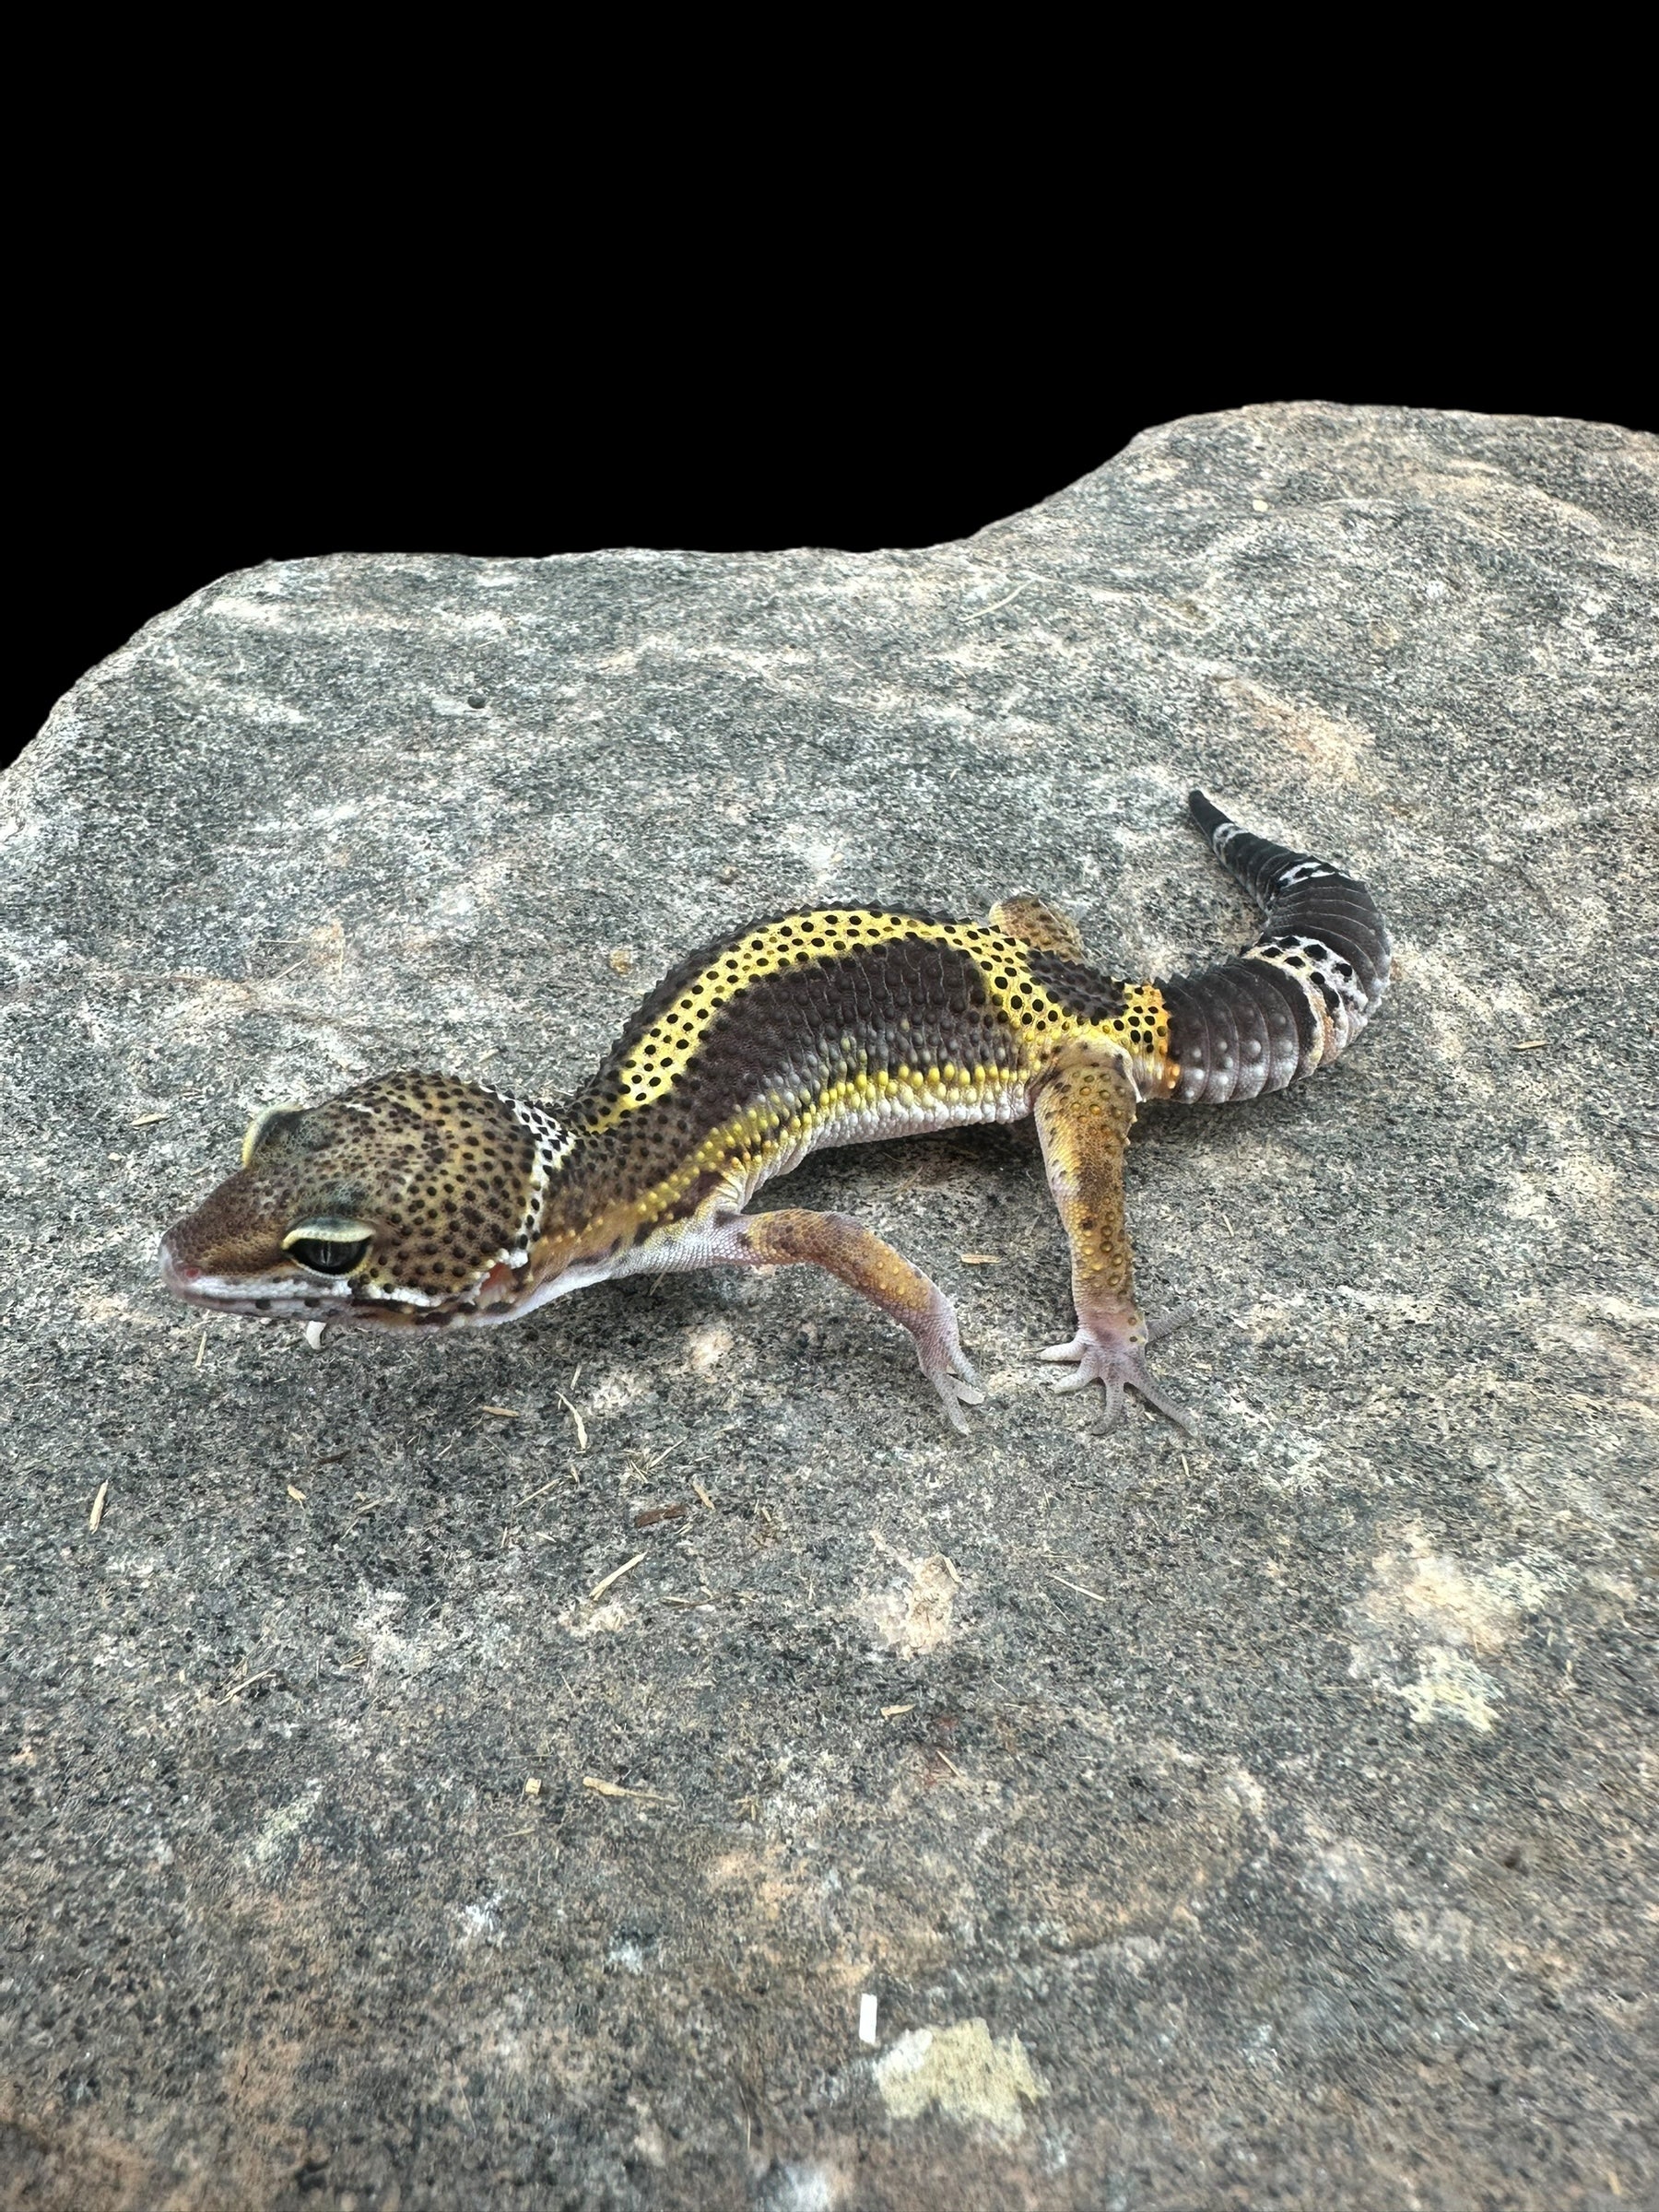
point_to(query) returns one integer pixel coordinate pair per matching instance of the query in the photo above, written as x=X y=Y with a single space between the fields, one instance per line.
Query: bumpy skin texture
x=423 y=1201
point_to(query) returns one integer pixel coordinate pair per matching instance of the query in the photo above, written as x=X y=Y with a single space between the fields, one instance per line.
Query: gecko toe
x=1075 y=1350
x=957 y=1385
x=953 y=1396
x=1167 y=1324
x=1169 y=1407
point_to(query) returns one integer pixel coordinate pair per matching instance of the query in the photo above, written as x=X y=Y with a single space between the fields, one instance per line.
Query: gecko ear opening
x=265 y=1125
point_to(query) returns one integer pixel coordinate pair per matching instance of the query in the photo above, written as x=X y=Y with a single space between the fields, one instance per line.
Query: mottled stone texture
x=1253 y=1822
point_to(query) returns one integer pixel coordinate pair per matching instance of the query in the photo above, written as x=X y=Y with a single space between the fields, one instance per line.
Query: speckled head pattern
x=413 y=1198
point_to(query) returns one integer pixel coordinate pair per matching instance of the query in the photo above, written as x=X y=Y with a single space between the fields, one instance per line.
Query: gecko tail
x=1295 y=998
x=1262 y=868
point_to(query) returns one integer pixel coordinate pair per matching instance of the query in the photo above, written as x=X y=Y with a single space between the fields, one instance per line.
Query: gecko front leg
x=1084 y=1106
x=792 y=1236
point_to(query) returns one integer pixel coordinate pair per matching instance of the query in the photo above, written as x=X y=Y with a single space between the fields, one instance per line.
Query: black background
x=173 y=437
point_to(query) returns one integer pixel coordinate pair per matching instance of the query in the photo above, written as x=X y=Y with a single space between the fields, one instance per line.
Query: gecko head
x=412 y=1199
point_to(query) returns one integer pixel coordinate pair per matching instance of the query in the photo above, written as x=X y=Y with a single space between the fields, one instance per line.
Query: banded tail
x=1293 y=999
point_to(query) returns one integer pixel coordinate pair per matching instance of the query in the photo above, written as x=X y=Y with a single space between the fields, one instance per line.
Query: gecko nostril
x=171 y=1268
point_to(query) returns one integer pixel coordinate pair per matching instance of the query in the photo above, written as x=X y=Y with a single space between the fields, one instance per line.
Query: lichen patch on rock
x=962 y=2071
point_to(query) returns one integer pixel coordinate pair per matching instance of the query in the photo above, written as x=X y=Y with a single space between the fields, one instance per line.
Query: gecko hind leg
x=847 y=1249
x=1084 y=1106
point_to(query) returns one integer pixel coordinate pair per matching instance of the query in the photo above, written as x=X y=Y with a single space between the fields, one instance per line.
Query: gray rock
x=1275 y=1803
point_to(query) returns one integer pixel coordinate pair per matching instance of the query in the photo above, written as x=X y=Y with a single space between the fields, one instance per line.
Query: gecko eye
x=329 y=1247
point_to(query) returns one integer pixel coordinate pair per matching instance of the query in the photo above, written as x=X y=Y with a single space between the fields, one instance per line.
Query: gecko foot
x=1110 y=1353
x=944 y=1362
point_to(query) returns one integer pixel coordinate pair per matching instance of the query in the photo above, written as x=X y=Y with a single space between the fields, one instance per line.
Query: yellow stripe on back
x=1034 y=1014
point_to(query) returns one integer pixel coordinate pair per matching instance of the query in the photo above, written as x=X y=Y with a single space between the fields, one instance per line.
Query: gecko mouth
x=305 y=1299
x=199 y=1287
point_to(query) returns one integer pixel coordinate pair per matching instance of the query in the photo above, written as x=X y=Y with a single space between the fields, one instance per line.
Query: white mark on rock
x=1448 y=1614
x=385 y=1646
x=1453 y=1687
x=651 y=2143
x=624 y=1387
x=481 y=1922
x=608 y=1619
x=279 y=1831
x=867 y=2018
x=961 y=2071
x=918 y=1620
x=806 y=2187
x=1245 y=1790
x=707 y=1347
x=1346 y=1869
x=1439 y=1933
x=822 y=858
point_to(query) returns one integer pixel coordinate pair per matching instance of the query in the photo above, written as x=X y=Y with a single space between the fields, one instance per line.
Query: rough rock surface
x=1258 y=1821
